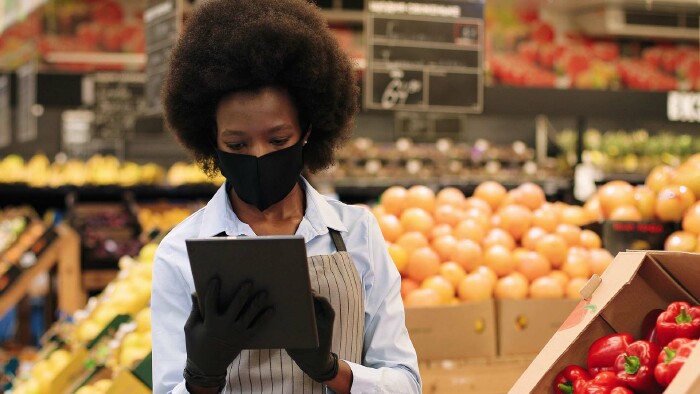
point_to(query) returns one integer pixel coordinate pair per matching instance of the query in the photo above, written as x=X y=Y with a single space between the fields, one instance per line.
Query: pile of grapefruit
x=497 y=243
x=669 y=194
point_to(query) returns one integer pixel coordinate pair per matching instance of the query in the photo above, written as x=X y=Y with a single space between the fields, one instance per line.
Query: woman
x=260 y=90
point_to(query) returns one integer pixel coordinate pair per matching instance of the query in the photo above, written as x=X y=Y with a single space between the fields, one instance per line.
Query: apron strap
x=337 y=240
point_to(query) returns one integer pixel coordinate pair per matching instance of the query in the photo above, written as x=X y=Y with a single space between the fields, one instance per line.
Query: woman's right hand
x=214 y=339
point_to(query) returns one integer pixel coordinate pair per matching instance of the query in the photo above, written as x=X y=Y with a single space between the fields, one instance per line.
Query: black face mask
x=266 y=180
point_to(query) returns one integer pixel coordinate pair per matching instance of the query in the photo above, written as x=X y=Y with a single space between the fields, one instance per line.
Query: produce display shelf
x=18 y=193
x=371 y=188
x=62 y=252
x=64 y=89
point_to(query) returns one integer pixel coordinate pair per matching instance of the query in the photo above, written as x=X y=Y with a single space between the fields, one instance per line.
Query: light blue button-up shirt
x=389 y=363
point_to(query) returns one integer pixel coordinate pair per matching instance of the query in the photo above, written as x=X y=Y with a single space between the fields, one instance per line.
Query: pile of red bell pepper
x=617 y=364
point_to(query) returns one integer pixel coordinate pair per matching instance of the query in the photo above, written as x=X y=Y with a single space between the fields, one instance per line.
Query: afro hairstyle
x=244 y=45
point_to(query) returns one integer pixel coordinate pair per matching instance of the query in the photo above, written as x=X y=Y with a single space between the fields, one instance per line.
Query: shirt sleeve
x=170 y=308
x=390 y=364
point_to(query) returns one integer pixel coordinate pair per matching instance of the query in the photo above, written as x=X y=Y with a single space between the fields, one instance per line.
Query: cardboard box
x=632 y=286
x=454 y=331
x=620 y=236
x=525 y=326
x=473 y=376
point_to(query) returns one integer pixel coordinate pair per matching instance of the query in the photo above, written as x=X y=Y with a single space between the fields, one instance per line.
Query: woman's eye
x=234 y=146
x=279 y=142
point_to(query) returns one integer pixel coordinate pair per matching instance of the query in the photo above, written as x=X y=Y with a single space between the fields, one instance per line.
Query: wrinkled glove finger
x=240 y=299
x=261 y=319
x=195 y=315
x=323 y=308
x=256 y=303
x=211 y=302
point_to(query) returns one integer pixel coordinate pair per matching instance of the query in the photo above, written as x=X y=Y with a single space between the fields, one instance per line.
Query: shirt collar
x=218 y=216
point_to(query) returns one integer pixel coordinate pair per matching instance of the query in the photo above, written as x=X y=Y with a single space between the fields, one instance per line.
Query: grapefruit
x=441 y=285
x=590 y=240
x=531 y=237
x=672 y=202
x=532 y=265
x=530 y=195
x=475 y=287
x=444 y=246
x=545 y=218
x=515 y=219
x=450 y=196
x=573 y=288
x=423 y=263
x=390 y=226
x=645 y=200
x=423 y=297
x=469 y=229
x=659 y=178
x=393 y=200
x=453 y=272
x=498 y=236
x=546 y=288
x=554 y=248
x=499 y=259
x=468 y=254
x=411 y=241
x=681 y=241
x=600 y=259
x=417 y=219
x=691 y=219
x=491 y=192
x=614 y=194
x=628 y=213
x=511 y=287
x=399 y=256
x=447 y=214
x=422 y=197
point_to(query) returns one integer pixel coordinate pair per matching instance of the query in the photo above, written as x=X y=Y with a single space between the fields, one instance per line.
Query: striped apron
x=334 y=277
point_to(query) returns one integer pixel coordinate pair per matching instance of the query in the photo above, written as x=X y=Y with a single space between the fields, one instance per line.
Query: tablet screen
x=277 y=264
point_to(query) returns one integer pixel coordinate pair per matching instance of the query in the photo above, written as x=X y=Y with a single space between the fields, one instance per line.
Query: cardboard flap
x=684 y=268
x=652 y=288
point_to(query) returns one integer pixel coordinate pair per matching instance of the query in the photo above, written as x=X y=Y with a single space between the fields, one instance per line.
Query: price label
x=683 y=107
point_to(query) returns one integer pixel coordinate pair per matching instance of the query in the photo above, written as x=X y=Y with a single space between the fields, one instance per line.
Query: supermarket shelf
x=365 y=189
x=63 y=252
x=635 y=179
x=64 y=89
x=43 y=198
x=507 y=100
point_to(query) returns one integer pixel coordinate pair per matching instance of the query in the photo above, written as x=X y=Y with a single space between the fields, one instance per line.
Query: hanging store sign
x=5 y=112
x=683 y=107
x=26 y=116
x=162 y=26
x=425 y=55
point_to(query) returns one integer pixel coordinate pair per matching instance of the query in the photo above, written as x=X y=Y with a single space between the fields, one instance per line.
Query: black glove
x=319 y=363
x=214 y=339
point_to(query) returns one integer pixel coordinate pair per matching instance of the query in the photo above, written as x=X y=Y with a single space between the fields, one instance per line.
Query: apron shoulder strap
x=337 y=240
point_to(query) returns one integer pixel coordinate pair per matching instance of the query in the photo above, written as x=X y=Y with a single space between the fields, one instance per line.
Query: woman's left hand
x=319 y=363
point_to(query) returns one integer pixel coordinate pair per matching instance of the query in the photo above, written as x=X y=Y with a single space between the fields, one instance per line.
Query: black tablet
x=275 y=263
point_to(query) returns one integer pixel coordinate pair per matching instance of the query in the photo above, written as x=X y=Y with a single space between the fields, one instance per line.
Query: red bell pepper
x=671 y=360
x=564 y=382
x=605 y=382
x=635 y=367
x=604 y=351
x=680 y=320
